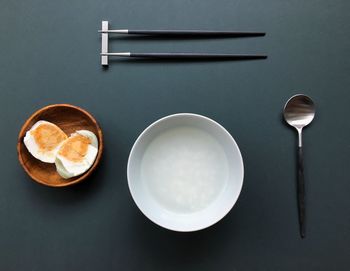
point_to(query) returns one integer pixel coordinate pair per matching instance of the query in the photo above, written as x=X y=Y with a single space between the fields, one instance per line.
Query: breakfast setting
x=174 y=136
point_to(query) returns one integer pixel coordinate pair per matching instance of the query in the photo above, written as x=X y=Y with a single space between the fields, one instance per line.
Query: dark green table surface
x=49 y=53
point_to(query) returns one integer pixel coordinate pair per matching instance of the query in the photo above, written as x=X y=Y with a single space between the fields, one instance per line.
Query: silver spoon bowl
x=298 y=112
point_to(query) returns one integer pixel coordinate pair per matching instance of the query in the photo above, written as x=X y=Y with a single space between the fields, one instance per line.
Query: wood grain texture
x=69 y=118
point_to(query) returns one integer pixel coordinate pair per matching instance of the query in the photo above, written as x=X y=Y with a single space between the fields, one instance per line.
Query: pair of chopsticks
x=173 y=33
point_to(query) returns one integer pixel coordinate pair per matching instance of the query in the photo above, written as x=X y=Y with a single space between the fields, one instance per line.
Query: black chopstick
x=206 y=33
x=186 y=56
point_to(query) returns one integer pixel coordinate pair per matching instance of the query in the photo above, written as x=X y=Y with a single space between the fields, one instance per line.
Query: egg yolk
x=75 y=148
x=48 y=136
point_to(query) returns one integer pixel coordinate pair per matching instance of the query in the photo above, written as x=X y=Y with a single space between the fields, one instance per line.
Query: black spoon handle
x=301 y=192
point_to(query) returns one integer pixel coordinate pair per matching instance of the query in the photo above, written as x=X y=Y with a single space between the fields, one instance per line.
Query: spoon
x=298 y=112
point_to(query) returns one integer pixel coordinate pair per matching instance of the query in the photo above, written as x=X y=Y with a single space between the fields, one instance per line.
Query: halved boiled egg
x=43 y=140
x=76 y=154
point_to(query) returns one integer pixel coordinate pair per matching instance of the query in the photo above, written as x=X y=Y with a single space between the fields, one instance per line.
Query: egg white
x=68 y=169
x=33 y=148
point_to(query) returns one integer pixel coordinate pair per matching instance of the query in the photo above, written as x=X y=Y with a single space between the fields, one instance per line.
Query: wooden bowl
x=69 y=118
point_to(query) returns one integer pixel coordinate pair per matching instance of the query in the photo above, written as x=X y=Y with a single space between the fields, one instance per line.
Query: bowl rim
x=81 y=177
x=241 y=166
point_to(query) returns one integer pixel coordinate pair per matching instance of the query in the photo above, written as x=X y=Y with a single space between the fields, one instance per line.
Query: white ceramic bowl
x=185 y=172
